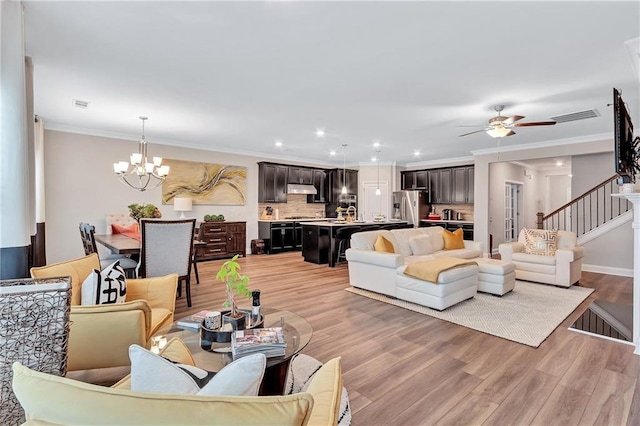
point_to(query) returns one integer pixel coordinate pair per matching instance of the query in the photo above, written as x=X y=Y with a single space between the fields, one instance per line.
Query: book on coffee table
x=193 y=321
x=269 y=341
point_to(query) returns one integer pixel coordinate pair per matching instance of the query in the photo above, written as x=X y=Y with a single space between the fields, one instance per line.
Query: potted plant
x=235 y=286
x=139 y=211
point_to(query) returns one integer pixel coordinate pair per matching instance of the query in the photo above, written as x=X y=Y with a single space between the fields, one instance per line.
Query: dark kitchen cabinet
x=463 y=185
x=414 y=180
x=459 y=185
x=320 y=182
x=470 y=184
x=339 y=178
x=300 y=175
x=444 y=187
x=281 y=236
x=272 y=183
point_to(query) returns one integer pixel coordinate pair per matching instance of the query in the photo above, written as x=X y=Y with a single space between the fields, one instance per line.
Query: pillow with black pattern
x=153 y=373
x=105 y=287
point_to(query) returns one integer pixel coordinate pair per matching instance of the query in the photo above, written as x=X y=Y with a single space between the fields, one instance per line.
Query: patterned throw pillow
x=105 y=287
x=540 y=241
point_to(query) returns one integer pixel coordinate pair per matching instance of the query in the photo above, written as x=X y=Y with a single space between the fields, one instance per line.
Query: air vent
x=80 y=104
x=574 y=116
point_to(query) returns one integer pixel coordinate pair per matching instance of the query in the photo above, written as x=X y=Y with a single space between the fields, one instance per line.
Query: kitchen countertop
x=293 y=220
x=469 y=222
x=370 y=222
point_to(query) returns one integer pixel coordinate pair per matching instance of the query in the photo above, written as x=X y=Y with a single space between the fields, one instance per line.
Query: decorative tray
x=209 y=336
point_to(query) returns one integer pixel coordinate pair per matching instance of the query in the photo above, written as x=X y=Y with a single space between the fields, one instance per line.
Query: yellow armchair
x=100 y=335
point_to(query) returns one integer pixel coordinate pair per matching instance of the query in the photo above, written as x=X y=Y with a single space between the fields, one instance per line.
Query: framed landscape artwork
x=205 y=183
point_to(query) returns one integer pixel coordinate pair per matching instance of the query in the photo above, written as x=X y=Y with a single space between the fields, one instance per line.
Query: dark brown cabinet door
x=470 y=184
x=434 y=185
x=272 y=183
x=459 y=185
x=236 y=238
x=445 y=186
x=320 y=182
x=408 y=180
x=421 y=180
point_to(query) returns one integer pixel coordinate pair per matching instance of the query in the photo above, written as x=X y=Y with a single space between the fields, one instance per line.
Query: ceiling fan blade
x=535 y=123
x=470 y=133
x=511 y=133
x=513 y=119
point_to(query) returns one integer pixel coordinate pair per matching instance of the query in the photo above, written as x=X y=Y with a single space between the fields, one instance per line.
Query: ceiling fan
x=501 y=126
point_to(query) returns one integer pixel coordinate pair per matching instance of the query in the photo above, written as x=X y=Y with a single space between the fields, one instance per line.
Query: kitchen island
x=319 y=242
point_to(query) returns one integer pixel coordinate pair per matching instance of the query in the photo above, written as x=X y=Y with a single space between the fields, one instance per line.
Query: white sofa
x=377 y=271
x=564 y=269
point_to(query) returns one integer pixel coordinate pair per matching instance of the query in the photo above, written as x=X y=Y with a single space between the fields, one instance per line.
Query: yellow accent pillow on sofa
x=383 y=245
x=453 y=240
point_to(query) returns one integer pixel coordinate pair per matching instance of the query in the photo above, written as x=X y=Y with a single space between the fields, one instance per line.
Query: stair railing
x=590 y=210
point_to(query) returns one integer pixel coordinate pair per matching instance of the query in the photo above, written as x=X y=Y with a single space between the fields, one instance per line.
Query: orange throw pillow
x=453 y=240
x=383 y=245
x=130 y=229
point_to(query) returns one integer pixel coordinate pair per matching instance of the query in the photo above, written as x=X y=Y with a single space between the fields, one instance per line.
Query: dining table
x=124 y=244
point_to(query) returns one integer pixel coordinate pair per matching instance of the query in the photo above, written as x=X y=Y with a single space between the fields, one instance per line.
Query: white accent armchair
x=564 y=269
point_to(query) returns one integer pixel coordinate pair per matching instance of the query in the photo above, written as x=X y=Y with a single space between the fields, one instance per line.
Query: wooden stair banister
x=588 y=211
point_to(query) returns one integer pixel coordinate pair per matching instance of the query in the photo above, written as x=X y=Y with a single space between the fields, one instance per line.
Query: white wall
x=499 y=175
x=81 y=187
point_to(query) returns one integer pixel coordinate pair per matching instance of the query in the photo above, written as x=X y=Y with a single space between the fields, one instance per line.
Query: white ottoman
x=453 y=286
x=496 y=276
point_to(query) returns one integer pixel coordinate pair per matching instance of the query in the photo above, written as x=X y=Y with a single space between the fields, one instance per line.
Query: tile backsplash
x=465 y=209
x=296 y=205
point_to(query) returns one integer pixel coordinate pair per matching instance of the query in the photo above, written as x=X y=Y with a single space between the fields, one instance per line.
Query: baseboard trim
x=609 y=270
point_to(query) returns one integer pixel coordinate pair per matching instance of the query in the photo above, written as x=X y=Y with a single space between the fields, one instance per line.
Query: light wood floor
x=401 y=367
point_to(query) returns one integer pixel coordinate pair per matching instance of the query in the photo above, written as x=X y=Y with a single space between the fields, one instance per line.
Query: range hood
x=301 y=189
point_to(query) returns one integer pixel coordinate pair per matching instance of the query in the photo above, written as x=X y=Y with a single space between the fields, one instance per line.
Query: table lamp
x=182 y=205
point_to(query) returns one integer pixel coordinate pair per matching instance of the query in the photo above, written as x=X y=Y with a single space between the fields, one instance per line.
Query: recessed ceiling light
x=558 y=163
x=374 y=159
x=332 y=153
x=278 y=143
x=416 y=153
x=320 y=133
x=376 y=144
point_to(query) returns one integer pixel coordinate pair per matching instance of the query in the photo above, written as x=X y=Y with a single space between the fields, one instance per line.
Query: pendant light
x=344 y=169
x=139 y=173
x=378 y=161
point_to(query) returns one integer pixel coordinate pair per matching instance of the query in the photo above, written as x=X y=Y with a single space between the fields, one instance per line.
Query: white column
x=14 y=153
x=634 y=198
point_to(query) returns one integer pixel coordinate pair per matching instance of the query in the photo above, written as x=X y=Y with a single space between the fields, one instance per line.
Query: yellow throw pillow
x=383 y=245
x=542 y=242
x=453 y=240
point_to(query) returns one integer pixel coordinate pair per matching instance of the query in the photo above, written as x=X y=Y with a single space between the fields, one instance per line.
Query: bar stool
x=344 y=237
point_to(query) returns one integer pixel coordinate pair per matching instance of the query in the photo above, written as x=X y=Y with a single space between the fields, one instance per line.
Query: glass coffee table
x=297 y=333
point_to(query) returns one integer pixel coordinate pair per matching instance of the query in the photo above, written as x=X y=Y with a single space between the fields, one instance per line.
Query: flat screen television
x=625 y=146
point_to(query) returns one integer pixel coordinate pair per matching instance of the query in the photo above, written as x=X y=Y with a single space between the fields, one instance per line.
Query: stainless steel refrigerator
x=411 y=205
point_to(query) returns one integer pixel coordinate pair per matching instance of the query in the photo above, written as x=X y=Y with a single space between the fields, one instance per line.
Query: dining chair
x=87 y=234
x=35 y=332
x=167 y=248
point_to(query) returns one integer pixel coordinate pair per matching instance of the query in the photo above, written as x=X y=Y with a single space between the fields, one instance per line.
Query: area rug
x=526 y=315
x=301 y=370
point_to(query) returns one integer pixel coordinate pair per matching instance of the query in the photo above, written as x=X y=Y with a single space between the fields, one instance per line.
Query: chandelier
x=139 y=173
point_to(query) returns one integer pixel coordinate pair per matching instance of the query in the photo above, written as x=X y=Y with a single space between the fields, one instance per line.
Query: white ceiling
x=236 y=76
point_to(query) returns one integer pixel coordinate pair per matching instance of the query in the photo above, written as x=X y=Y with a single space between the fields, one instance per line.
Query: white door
x=512 y=205
x=373 y=204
